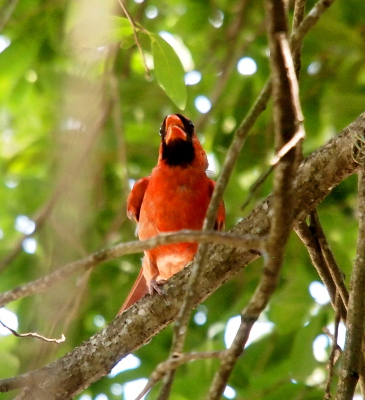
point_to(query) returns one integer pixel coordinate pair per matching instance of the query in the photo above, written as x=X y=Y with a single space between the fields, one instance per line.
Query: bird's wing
x=221 y=215
x=135 y=198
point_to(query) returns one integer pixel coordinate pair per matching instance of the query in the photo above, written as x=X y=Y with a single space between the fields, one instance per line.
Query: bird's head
x=179 y=144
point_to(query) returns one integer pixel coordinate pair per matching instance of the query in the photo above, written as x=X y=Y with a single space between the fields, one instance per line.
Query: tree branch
x=331 y=275
x=147 y=70
x=45 y=283
x=335 y=270
x=335 y=348
x=310 y=240
x=34 y=335
x=171 y=364
x=310 y=20
x=353 y=355
x=299 y=11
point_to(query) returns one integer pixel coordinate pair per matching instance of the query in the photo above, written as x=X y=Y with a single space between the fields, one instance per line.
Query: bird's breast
x=175 y=199
x=171 y=259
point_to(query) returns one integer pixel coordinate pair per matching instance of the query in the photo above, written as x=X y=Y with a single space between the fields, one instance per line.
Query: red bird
x=175 y=196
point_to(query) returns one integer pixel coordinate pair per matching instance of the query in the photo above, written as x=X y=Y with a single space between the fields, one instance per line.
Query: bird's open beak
x=174 y=129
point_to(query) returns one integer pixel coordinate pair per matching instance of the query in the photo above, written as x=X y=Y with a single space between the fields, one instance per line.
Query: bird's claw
x=154 y=286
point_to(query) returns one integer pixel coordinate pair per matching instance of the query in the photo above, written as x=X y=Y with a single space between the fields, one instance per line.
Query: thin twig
x=135 y=37
x=310 y=20
x=66 y=315
x=258 y=182
x=172 y=363
x=335 y=348
x=337 y=274
x=288 y=146
x=281 y=153
x=230 y=357
x=323 y=259
x=34 y=335
x=42 y=284
x=6 y=13
x=299 y=11
x=262 y=178
x=309 y=238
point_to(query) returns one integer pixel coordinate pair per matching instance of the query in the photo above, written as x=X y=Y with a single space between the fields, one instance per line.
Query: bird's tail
x=138 y=291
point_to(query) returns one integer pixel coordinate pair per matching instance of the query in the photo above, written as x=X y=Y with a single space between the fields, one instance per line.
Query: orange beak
x=174 y=129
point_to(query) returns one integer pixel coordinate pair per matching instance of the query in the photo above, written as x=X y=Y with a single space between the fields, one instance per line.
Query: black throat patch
x=178 y=152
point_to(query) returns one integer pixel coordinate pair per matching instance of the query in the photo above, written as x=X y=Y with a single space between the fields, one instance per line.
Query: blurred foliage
x=79 y=121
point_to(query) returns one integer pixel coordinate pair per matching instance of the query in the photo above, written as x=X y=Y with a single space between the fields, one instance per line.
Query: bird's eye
x=189 y=127
x=162 y=130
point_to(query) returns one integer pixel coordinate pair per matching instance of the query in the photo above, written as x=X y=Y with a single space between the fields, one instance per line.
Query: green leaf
x=169 y=71
x=127 y=42
x=121 y=29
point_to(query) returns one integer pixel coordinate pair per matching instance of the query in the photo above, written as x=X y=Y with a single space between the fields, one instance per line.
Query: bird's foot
x=154 y=286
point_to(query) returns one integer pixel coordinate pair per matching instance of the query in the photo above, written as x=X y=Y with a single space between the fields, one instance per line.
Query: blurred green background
x=79 y=122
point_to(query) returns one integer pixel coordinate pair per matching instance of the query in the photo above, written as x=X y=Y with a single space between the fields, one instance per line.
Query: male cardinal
x=175 y=196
